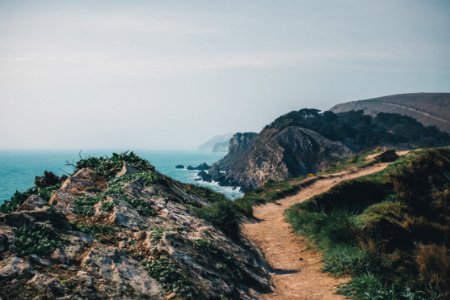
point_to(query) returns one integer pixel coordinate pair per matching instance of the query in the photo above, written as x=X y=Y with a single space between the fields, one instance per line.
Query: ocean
x=18 y=168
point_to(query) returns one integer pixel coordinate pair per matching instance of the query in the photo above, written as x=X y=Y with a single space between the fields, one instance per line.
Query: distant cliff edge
x=430 y=109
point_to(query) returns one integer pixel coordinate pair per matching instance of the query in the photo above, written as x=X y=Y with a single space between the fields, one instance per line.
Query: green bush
x=222 y=214
x=109 y=166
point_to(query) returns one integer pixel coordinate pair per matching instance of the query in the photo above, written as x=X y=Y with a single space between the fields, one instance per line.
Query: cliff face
x=431 y=109
x=131 y=235
x=274 y=155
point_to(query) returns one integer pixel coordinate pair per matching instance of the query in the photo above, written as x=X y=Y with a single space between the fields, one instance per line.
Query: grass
x=270 y=192
x=393 y=243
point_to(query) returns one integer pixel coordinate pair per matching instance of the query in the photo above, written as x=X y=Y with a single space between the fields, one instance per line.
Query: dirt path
x=296 y=267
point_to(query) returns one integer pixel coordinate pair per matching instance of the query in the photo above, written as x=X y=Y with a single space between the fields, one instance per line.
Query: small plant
x=99 y=231
x=107 y=206
x=84 y=205
x=35 y=239
x=157 y=233
x=172 y=278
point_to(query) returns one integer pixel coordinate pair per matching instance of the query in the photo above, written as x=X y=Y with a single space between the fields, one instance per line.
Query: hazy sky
x=171 y=74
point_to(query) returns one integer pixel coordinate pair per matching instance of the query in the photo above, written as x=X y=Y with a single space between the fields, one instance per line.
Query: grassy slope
x=275 y=190
x=389 y=230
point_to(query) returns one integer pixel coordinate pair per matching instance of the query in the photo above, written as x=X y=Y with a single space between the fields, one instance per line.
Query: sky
x=171 y=74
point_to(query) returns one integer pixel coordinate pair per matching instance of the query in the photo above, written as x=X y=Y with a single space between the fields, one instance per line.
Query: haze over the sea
x=171 y=74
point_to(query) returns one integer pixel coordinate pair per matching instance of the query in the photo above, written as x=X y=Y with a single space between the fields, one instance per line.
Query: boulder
x=179 y=167
x=124 y=276
x=33 y=202
x=14 y=267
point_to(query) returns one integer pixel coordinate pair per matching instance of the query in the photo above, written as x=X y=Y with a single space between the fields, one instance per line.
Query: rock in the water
x=32 y=202
x=201 y=167
x=179 y=167
x=205 y=176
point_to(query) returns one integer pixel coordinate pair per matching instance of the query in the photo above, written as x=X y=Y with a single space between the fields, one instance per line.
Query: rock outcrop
x=274 y=155
x=133 y=236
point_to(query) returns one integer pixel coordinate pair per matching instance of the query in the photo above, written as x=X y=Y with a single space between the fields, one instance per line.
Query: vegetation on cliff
x=389 y=231
x=359 y=131
x=118 y=228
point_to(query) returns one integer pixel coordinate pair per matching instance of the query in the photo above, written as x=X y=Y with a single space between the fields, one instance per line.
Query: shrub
x=222 y=214
x=109 y=166
x=433 y=262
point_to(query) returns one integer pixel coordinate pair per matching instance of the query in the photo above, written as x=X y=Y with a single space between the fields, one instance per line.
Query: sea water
x=18 y=168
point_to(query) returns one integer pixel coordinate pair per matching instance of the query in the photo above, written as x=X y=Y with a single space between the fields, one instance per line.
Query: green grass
x=374 y=229
x=270 y=192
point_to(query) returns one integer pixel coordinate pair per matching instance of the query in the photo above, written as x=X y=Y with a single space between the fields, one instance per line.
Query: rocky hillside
x=308 y=140
x=275 y=154
x=430 y=109
x=118 y=229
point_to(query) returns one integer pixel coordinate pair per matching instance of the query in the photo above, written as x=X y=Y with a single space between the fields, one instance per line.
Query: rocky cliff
x=274 y=155
x=427 y=108
x=118 y=229
x=307 y=140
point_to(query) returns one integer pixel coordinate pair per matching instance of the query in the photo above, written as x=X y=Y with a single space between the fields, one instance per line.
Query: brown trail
x=296 y=267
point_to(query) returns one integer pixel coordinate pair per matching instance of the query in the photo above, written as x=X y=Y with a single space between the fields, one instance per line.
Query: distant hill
x=218 y=143
x=430 y=109
x=308 y=140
